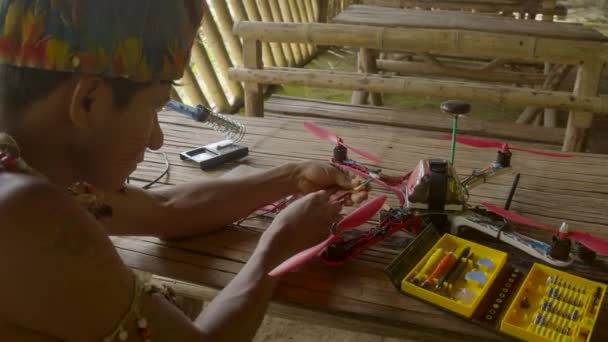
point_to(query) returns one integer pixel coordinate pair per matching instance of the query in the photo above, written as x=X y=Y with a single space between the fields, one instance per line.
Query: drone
x=433 y=191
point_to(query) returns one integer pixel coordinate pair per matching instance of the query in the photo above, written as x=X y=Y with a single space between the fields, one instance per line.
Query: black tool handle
x=465 y=252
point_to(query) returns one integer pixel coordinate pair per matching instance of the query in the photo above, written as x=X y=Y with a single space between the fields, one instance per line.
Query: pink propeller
x=487 y=143
x=356 y=218
x=324 y=134
x=595 y=244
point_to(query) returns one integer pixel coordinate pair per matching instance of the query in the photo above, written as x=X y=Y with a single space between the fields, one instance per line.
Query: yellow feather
x=57 y=53
x=13 y=19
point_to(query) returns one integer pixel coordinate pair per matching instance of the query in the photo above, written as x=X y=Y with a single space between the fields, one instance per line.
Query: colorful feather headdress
x=141 y=40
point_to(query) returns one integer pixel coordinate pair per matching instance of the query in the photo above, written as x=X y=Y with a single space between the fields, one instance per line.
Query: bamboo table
x=548 y=8
x=590 y=63
x=359 y=296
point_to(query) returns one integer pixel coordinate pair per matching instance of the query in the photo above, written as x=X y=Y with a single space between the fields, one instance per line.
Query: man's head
x=101 y=69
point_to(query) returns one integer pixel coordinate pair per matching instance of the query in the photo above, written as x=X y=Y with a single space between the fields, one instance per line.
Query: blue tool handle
x=198 y=113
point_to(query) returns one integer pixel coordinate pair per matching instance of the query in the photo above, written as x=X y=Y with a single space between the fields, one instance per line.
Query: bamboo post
x=285 y=16
x=550 y=115
x=292 y=7
x=271 y=52
x=472 y=91
x=538 y=120
x=327 y=10
x=319 y=8
x=225 y=24
x=547 y=7
x=366 y=64
x=218 y=49
x=337 y=4
x=207 y=73
x=238 y=10
x=579 y=122
x=192 y=88
x=300 y=11
x=272 y=9
x=254 y=95
x=311 y=19
x=310 y=11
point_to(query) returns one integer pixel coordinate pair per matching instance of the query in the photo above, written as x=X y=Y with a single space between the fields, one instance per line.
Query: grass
x=345 y=60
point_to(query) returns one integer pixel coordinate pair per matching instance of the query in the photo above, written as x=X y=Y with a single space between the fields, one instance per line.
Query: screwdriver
x=429 y=264
x=441 y=267
x=358 y=188
x=465 y=253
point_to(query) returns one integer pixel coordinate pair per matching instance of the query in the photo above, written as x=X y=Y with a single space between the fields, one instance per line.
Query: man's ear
x=89 y=95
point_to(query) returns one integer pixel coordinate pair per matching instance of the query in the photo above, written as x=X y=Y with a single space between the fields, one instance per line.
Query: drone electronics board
x=477 y=283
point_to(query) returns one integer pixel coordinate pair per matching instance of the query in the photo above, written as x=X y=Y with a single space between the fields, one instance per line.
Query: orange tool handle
x=441 y=267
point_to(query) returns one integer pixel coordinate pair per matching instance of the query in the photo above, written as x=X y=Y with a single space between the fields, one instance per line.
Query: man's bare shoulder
x=25 y=199
x=46 y=237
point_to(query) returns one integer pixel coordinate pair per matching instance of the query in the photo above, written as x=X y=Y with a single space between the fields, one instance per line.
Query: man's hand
x=302 y=224
x=311 y=176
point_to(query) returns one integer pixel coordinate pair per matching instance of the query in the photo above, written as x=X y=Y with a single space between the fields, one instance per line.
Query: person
x=81 y=85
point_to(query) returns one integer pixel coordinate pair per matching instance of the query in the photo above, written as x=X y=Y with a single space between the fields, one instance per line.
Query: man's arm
x=196 y=207
x=202 y=206
x=73 y=304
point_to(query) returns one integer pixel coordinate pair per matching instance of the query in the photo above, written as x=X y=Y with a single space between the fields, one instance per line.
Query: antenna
x=455 y=108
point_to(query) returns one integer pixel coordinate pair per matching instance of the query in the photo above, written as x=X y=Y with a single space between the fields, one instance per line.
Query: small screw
x=574 y=315
x=538 y=319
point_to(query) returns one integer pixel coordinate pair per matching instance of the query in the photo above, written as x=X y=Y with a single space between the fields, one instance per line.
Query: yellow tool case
x=477 y=283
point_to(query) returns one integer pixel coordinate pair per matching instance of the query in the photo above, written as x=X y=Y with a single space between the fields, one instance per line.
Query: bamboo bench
x=529 y=43
x=548 y=8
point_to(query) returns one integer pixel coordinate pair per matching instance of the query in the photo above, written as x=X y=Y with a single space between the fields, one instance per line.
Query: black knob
x=456 y=107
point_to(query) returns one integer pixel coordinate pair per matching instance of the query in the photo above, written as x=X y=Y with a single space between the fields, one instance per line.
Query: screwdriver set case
x=477 y=283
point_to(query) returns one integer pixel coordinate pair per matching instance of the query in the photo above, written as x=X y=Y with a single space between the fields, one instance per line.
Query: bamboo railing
x=218 y=49
x=589 y=56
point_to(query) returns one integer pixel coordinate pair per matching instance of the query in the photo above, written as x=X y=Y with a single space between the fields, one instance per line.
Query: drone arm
x=482 y=177
x=535 y=248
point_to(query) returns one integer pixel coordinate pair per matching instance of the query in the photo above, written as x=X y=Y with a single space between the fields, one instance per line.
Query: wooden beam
x=296 y=15
x=238 y=10
x=285 y=13
x=301 y=6
x=579 y=121
x=423 y=87
x=322 y=10
x=192 y=88
x=225 y=24
x=420 y=69
x=276 y=17
x=209 y=76
x=271 y=52
x=456 y=42
x=254 y=94
x=215 y=43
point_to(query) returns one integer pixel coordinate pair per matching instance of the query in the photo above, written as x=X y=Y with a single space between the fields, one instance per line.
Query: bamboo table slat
x=413 y=18
x=359 y=294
